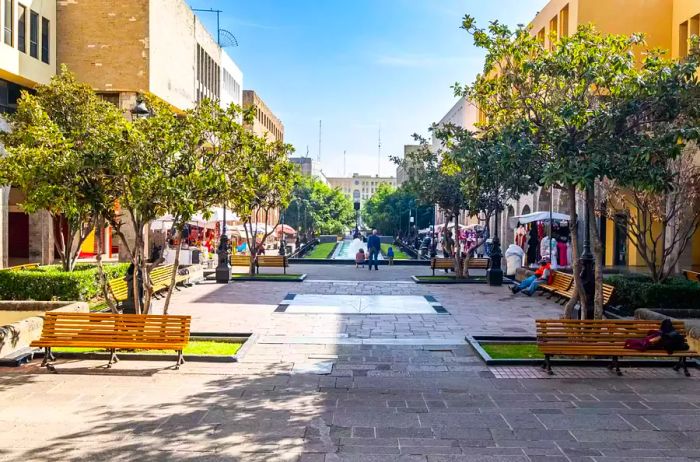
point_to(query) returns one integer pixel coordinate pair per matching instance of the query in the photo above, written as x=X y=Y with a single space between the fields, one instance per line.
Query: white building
x=309 y=167
x=231 y=81
x=463 y=114
x=360 y=188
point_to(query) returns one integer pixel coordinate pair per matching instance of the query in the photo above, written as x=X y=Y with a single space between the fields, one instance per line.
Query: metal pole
x=223 y=269
x=587 y=265
x=494 y=275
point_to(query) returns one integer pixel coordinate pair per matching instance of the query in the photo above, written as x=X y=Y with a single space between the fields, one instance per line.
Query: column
x=4 y=229
x=41 y=238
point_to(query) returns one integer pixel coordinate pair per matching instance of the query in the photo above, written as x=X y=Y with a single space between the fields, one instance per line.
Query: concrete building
x=402 y=175
x=27 y=59
x=309 y=167
x=265 y=124
x=360 y=188
x=463 y=114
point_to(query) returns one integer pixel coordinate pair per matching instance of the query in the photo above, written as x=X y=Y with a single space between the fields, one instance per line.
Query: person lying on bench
x=666 y=338
x=542 y=274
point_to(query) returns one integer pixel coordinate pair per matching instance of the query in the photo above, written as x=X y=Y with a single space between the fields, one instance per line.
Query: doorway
x=620 y=254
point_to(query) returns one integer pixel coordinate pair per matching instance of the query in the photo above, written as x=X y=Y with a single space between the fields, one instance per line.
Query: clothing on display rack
x=563 y=253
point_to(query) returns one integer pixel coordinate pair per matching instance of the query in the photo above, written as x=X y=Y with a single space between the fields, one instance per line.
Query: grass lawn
x=211 y=348
x=321 y=250
x=267 y=277
x=512 y=350
x=398 y=253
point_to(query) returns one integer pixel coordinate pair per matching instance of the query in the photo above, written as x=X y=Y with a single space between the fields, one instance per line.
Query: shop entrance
x=18 y=235
x=620 y=241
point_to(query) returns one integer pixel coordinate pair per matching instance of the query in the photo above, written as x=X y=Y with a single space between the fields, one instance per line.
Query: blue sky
x=358 y=65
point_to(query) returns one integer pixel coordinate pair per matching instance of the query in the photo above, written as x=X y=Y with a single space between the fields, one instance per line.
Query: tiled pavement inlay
x=359 y=304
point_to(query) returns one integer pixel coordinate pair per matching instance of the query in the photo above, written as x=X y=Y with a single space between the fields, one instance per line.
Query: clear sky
x=357 y=65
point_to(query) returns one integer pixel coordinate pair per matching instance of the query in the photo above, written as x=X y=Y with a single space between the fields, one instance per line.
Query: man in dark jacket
x=374 y=245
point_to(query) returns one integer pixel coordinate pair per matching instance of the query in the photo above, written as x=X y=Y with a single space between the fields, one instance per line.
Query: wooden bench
x=160 y=280
x=601 y=338
x=113 y=332
x=240 y=260
x=691 y=275
x=449 y=263
x=273 y=261
x=561 y=285
x=119 y=290
x=26 y=266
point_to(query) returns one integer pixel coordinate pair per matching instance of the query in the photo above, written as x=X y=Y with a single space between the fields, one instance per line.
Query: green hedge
x=50 y=283
x=638 y=291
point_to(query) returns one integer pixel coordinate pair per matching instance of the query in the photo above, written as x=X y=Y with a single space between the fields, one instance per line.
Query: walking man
x=374 y=245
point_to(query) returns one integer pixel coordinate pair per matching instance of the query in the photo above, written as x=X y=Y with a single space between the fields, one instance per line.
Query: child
x=390 y=255
x=360 y=258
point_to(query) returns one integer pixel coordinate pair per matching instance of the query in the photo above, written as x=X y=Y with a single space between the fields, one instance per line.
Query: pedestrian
x=543 y=274
x=360 y=258
x=390 y=255
x=374 y=245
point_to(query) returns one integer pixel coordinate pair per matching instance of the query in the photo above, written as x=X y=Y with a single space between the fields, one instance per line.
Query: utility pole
x=344 y=153
x=320 y=129
x=379 y=150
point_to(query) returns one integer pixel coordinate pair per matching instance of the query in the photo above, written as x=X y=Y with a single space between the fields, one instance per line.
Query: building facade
x=265 y=124
x=463 y=114
x=360 y=188
x=27 y=59
x=309 y=167
x=667 y=24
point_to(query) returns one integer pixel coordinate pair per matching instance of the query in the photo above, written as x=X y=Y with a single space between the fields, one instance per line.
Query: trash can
x=514 y=259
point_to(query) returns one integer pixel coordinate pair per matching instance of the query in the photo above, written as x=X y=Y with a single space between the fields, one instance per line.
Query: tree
x=389 y=210
x=316 y=208
x=563 y=97
x=434 y=182
x=59 y=149
x=261 y=185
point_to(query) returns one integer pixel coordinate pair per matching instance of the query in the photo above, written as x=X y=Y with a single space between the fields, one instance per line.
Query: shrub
x=50 y=283
x=638 y=291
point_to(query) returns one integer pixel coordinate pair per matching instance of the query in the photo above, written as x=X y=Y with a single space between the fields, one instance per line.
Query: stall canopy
x=537 y=216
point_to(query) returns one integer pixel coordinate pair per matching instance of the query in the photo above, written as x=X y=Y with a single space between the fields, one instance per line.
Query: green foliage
x=317 y=208
x=398 y=253
x=322 y=250
x=388 y=210
x=59 y=152
x=52 y=283
x=638 y=291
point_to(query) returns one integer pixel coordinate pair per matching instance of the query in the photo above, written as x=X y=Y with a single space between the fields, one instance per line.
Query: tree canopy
x=317 y=208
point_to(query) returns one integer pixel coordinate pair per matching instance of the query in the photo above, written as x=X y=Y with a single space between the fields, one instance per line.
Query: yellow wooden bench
x=240 y=260
x=561 y=284
x=449 y=263
x=160 y=280
x=113 y=332
x=273 y=261
x=26 y=266
x=691 y=275
x=601 y=338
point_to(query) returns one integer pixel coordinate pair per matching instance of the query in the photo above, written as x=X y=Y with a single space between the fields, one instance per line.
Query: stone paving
x=377 y=402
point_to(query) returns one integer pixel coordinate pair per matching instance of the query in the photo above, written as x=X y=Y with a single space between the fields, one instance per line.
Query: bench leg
x=682 y=362
x=48 y=357
x=615 y=365
x=180 y=359
x=548 y=364
x=113 y=359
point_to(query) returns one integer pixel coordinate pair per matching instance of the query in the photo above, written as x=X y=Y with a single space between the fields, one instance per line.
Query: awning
x=537 y=216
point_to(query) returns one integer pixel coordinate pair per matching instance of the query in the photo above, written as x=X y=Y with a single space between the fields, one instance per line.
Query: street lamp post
x=494 y=275
x=587 y=264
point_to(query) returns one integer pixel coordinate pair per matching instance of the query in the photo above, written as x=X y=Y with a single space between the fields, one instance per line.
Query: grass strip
x=203 y=347
x=322 y=250
x=267 y=277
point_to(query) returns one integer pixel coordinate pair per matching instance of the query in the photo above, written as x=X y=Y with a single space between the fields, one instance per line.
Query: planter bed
x=528 y=346
x=449 y=279
x=268 y=277
x=203 y=347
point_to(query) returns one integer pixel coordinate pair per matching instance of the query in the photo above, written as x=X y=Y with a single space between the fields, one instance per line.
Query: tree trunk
x=99 y=234
x=597 y=254
x=457 y=249
x=173 y=274
x=575 y=263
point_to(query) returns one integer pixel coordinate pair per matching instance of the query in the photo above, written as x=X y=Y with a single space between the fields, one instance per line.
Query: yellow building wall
x=684 y=10
x=20 y=67
x=609 y=242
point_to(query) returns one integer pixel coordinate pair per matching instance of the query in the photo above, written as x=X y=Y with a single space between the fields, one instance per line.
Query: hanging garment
x=563 y=254
x=532 y=245
x=521 y=237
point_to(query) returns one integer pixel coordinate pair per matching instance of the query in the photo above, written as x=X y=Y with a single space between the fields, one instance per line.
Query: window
x=9 y=21
x=33 y=34
x=694 y=25
x=22 y=29
x=45 y=29
x=564 y=22
x=553 y=30
x=683 y=40
x=540 y=36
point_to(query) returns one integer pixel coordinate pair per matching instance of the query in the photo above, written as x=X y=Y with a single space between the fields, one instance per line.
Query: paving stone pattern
x=375 y=403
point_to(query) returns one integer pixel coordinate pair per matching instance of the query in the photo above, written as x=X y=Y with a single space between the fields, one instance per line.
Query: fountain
x=347 y=249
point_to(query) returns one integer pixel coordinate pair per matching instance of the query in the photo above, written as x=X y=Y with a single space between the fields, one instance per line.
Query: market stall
x=543 y=234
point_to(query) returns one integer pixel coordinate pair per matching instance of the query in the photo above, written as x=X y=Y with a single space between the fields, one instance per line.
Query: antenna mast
x=320 y=127
x=379 y=150
x=344 y=152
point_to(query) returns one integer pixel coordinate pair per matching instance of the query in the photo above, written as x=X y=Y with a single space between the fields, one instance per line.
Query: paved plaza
x=332 y=386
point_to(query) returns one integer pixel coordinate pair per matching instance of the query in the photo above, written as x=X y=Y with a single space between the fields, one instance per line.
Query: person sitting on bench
x=542 y=274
